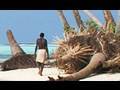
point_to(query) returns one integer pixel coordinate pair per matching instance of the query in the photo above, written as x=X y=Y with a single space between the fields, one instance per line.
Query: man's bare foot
x=40 y=73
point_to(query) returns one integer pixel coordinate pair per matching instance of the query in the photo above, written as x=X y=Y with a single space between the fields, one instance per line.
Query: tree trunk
x=64 y=22
x=118 y=24
x=62 y=18
x=15 y=48
x=78 y=20
x=95 y=62
x=109 y=20
x=93 y=17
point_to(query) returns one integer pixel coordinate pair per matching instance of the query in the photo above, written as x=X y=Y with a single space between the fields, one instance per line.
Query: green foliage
x=91 y=24
x=69 y=29
x=112 y=27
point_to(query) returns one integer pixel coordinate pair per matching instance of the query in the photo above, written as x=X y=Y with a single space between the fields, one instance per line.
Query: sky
x=26 y=25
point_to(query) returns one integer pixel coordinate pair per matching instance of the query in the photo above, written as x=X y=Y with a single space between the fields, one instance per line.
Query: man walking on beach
x=42 y=53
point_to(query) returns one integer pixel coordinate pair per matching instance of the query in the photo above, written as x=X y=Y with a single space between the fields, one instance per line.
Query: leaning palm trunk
x=95 y=62
x=15 y=48
x=62 y=18
x=110 y=23
x=78 y=20
x=64 y=22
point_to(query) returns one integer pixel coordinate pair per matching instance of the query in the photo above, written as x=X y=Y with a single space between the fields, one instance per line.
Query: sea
x=5 y=51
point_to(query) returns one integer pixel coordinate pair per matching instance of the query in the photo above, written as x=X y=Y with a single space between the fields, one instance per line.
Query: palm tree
x=78 y=20
x=64 y=22
x=62 y=18
x=110 y=23
x=15 y=48
x=68 y=31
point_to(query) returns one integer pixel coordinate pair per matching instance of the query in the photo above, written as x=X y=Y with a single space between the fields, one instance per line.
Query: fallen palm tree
x=97 y=54
x=93 y=51
x=19 y=58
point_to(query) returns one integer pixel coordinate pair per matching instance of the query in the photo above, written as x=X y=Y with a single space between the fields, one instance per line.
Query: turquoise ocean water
x=5 y=51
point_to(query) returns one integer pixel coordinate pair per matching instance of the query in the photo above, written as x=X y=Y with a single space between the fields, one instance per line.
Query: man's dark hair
x=41 y=34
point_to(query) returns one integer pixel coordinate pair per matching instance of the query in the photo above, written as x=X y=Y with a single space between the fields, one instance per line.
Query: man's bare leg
x=41 y=69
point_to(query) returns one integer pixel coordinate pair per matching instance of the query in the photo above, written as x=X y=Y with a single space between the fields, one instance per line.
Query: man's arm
x=46 y=46
x=36 y=47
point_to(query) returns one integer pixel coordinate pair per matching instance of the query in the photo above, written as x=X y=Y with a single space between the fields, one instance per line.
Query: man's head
x=41 y=34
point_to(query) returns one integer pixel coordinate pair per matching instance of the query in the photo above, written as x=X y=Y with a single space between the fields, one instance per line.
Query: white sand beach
x=31 y=74
x=104 y=77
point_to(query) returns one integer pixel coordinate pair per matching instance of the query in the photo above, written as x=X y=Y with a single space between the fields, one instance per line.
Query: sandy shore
x=31 y=74
x=104 y=77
